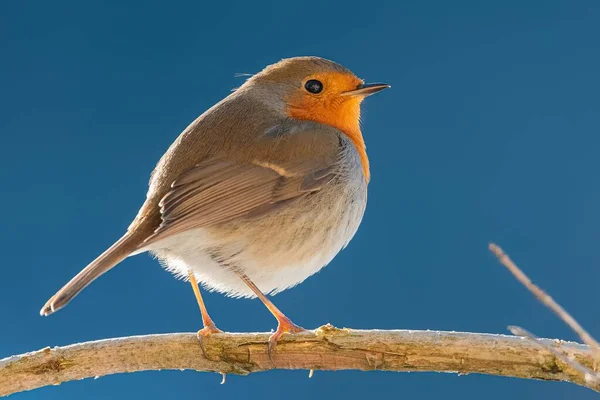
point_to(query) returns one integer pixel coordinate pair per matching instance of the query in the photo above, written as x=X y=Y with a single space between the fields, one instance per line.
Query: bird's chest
x=311 y=231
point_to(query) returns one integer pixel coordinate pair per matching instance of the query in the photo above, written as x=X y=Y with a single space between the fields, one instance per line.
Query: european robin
x=258 y=193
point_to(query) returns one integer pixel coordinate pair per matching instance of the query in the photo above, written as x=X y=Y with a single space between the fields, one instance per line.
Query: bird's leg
x=209 y=326
x=284 y=324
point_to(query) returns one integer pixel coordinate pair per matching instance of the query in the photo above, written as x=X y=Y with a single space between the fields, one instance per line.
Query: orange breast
x=341 y=113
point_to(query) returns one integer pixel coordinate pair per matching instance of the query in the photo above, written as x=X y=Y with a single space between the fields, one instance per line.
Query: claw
x=205 y=332
x=285 y=326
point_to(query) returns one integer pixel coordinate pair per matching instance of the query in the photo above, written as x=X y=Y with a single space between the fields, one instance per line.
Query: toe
x=208 y=330
x=204 y=333
x=286 y=326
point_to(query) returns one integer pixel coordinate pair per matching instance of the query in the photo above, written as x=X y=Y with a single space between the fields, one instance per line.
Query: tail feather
x=105 y=261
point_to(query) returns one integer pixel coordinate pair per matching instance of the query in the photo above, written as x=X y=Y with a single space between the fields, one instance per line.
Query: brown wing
x=218 y=191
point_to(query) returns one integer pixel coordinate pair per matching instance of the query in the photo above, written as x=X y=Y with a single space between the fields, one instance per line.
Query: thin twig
x=590 y=376
x=545 y=298
x=327 y=348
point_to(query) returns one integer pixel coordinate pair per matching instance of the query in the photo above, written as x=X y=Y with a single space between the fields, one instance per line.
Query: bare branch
x=327 y=348
x=544 y=298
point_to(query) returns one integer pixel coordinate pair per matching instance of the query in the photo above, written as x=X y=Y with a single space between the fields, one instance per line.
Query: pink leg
x=284 y=324
x=209 y=326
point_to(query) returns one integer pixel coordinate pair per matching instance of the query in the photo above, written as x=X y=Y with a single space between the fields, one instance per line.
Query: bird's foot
x=208 y=330
x=285 y=325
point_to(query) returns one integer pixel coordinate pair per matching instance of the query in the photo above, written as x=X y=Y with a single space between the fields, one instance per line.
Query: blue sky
x=489 y=133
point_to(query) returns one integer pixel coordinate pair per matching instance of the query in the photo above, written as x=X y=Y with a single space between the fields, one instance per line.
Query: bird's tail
x=105 y=261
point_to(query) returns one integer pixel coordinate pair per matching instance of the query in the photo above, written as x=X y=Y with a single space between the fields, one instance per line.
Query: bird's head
x=319 y=90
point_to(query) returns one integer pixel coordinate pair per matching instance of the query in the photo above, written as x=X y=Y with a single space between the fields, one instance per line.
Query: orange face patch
x=332 y=108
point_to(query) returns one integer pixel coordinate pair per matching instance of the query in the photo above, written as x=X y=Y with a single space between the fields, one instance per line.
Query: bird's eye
x=313 y=86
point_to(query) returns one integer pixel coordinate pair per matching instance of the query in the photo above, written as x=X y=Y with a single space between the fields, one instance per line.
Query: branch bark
x=326 y=348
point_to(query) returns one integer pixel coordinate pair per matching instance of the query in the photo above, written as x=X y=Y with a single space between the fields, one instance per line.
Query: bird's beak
x=367 y=89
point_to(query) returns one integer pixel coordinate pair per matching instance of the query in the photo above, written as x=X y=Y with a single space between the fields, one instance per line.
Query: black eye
x=314 y=86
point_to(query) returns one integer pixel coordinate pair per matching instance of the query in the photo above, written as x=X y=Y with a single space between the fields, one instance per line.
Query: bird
x=258 y=193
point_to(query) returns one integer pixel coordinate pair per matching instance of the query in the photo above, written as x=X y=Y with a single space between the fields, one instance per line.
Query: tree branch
x=326 y=348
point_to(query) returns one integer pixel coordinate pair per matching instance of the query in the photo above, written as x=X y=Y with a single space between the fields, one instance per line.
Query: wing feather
x=220 y=190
